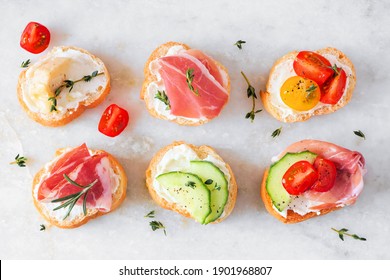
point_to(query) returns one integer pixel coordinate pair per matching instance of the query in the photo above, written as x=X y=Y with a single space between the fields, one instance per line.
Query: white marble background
x=123 y=34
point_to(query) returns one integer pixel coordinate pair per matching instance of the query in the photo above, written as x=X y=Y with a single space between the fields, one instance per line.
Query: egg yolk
x=300 y=94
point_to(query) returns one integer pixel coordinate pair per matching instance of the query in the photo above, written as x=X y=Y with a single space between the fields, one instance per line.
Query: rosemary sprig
x=190 y=184
x=69 y=84
x=71 y=200
x=360 y=134
x=162 y=96
x=150 y=214
x=155 y=225
x=343 y=232
x=276 y=132
x=251 y=93
x=20 y=161
x=42 y=227
x=239 y=44
x=189 y=79
x=25 y=64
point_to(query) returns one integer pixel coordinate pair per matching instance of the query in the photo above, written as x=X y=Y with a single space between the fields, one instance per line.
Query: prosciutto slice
x=91 y=168
x=212 y=96
x=350 y=171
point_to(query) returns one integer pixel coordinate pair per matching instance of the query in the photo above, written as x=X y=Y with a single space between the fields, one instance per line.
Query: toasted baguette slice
x=297 y=116
x=39 y=82
x=80 y=219
x=202 y=152
x=161 y=51
x=291 y=217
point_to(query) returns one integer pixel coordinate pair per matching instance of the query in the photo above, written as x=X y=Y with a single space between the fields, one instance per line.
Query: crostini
x=184 y=85
x=312 y=178
x=305 y=84
x=193 y=181
x=61 y=85
x=79 y=184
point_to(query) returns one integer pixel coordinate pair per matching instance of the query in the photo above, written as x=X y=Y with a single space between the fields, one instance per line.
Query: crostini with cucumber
x=193 y=181
x=312 y=178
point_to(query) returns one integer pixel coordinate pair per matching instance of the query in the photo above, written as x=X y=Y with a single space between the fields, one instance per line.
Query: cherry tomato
x=300 y=94
x=334 y=88
x=327 y=173
x=35 y=38
x=299 y=177
x=113 y=121
x=313 y=66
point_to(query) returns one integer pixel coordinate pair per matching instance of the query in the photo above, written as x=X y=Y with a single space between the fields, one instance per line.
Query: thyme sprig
x=276 y=132
x=239 y=44
x=344 y=231
x=25 y=64
x=189 y=79
x=360 y=134
x=310 y=90
x=71 y=200
x=155 y=225
x=163 y=97
x=150 y=214
x=69 y=84
x=20 y=161
x=251 y=93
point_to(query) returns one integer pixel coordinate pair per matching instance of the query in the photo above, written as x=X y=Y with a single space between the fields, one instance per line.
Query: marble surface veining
x=123 y=34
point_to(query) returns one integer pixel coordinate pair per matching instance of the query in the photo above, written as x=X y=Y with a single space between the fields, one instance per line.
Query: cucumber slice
x=189 y=192
x=216 y=182
x=279 y=196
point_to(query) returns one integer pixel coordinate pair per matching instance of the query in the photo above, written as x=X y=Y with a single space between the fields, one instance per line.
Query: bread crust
x=202 y=152
x=149 y=78
x=117 y=197
x=292 y=217
x=71 y=114
x=278 y=114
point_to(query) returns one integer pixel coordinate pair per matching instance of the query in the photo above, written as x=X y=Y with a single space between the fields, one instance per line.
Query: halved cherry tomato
x=113 y=121
x=299 y=177
x=300 y=94
x=313 y=66
x=35 y=38
x=334 y=88
x=327 y=173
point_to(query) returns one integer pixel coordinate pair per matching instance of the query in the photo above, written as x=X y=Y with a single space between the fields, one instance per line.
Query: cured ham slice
x=84 y=170
x=65 y=163
x=350 y=171
x=211 y=95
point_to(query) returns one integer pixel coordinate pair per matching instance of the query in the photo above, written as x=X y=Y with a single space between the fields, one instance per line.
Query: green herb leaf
x=208 y=182
x=162 y=96
x=190 y=184
x=335 y=69
x=239 y=44
x=69 y=84
x=155 y=225
x=150 y=214
x=189 y=79
x=25 y=64
x=251 y=93
x=20 y=161
x=276 y=132
x=360 y=134
x=217 y=187
x=342 y=232
x=71 y=200
x=42 y=227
